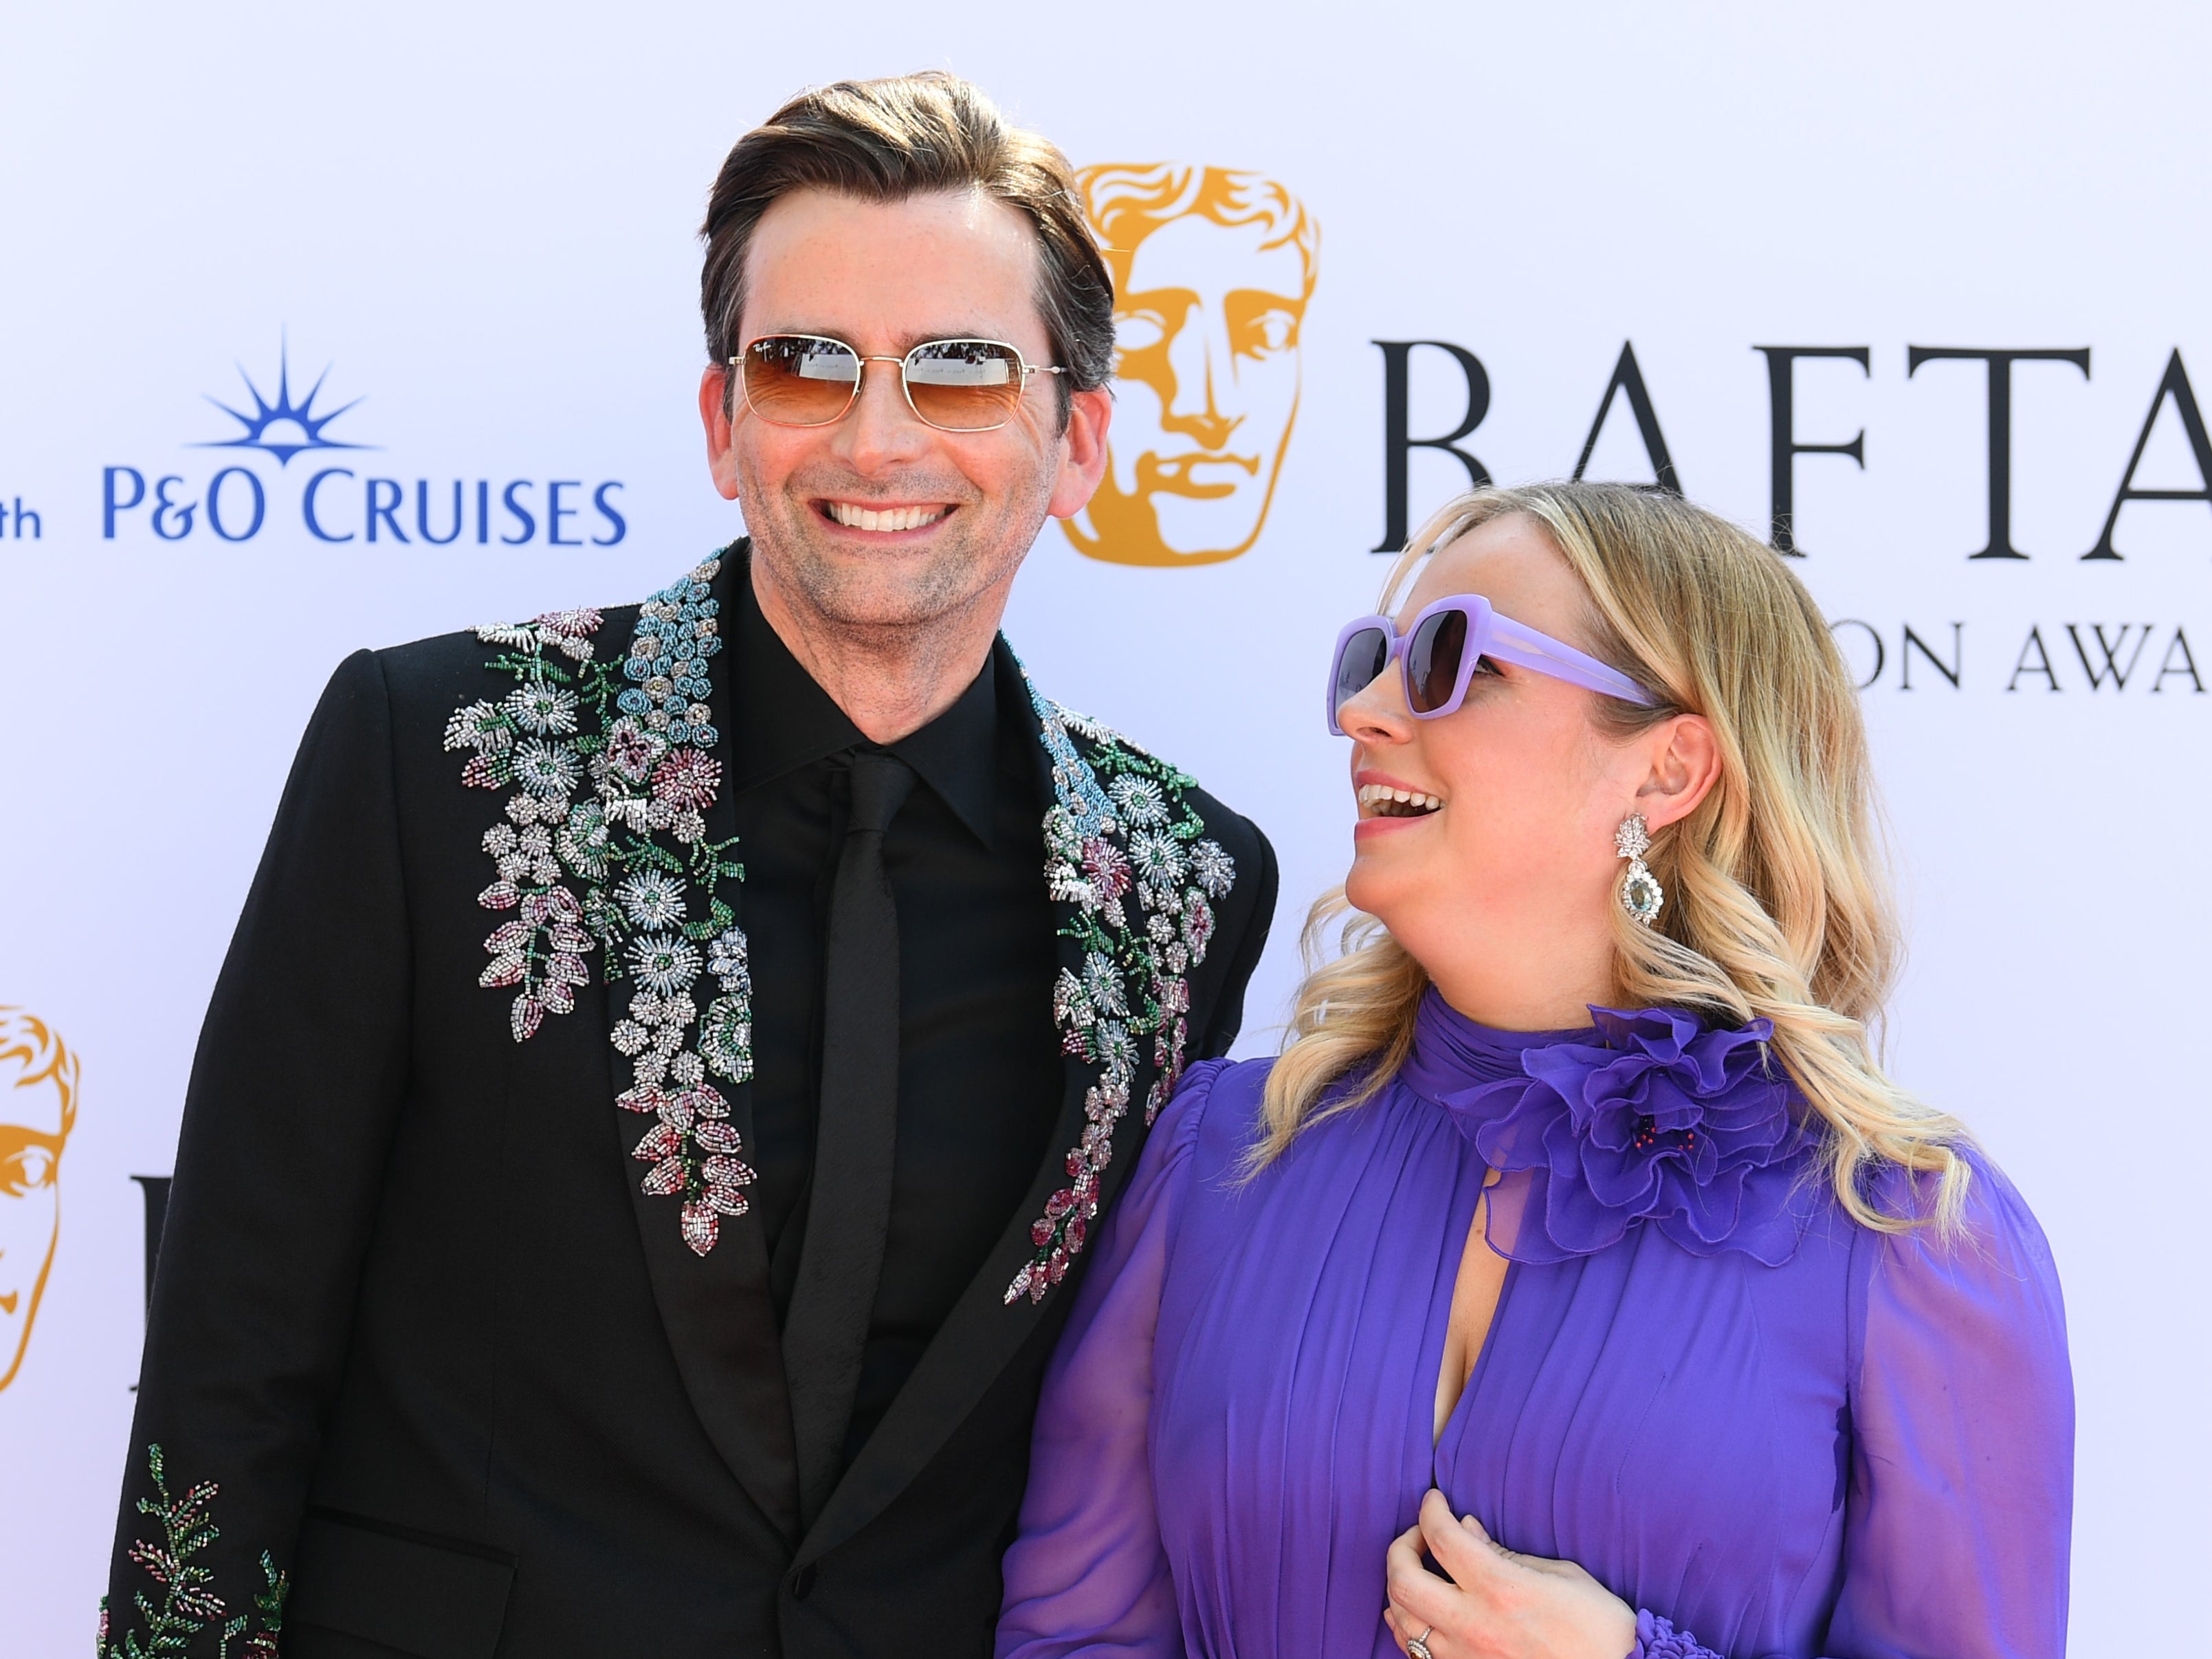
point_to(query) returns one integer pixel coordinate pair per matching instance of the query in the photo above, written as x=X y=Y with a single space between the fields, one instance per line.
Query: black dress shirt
x=979 y=1071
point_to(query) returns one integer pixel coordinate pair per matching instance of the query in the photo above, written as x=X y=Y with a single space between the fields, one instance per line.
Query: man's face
x=1208 y=335
x=30 y=1161
x=884 y=277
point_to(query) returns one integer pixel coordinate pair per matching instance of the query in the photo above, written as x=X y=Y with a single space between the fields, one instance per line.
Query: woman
x=1576 y=1242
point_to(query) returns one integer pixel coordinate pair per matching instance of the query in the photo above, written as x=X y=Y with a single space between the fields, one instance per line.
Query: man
x=671 y=1269
x=1213 y=270
x=38 y=1110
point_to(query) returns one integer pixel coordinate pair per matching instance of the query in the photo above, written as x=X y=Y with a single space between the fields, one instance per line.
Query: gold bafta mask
x=1212 y=272
x=37 y=1109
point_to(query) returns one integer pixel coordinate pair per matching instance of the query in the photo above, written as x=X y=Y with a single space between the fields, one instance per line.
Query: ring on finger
x=1418 y=1647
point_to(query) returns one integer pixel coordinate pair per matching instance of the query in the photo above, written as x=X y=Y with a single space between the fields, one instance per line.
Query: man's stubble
x=899 y=603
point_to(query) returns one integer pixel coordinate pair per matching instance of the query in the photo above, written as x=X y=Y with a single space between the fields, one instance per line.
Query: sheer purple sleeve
x=1960 y=1507
x=1961 y=1510
x=1086 y=1573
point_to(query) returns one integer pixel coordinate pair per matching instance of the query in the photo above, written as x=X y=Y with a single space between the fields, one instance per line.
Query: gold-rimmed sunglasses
x=955 y=385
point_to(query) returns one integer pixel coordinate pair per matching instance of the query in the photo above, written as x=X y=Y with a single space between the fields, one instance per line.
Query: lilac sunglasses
x=1439 y=652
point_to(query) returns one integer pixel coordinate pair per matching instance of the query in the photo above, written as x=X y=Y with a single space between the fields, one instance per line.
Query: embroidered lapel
x=716 y=1304
x=618 y=838
x=1122 y=835
x=628 y=870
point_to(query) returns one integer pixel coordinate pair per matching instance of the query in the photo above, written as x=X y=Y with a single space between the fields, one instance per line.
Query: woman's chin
x=1372 y=889
x=1396 y=875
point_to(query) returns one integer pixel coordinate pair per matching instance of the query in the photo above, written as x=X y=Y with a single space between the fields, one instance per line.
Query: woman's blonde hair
x=1777 y=906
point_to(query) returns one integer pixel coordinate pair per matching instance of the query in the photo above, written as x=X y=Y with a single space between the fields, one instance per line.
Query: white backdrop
x=480 y=219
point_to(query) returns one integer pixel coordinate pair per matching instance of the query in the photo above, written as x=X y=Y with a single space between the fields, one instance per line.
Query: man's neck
x=890 y=681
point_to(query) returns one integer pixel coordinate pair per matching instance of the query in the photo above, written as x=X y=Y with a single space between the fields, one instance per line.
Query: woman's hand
x=1497 y=1605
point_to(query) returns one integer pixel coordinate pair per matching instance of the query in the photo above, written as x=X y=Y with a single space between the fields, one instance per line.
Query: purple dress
x=1749 y=1417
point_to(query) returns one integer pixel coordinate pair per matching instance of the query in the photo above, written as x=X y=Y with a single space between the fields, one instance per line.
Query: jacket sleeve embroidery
x=189 y=1605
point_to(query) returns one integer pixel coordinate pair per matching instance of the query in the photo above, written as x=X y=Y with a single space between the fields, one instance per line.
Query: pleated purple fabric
x=1771 y=1430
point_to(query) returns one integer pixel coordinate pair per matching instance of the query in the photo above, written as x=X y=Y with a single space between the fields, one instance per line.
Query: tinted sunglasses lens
x=1432 y=660
x=964 y=385
x=793 y=380
x=1358 y=661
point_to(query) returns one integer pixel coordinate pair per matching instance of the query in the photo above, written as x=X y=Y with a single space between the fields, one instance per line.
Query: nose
x=881 y=429
x=1375 y=716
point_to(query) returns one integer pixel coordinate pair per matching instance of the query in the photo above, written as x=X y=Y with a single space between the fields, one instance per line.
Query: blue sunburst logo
x=283 y=429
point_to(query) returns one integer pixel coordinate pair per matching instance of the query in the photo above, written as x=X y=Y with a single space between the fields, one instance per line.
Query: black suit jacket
x=457 y=1383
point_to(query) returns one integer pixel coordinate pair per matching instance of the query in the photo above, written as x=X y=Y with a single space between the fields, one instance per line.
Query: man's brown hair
x=904 y=135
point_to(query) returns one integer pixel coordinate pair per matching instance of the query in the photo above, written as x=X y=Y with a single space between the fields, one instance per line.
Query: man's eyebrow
x=14 y=1137
x=980 y=332
x=908 y=341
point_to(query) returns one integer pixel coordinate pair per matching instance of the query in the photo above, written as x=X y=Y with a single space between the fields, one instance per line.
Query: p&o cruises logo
x=343 y=500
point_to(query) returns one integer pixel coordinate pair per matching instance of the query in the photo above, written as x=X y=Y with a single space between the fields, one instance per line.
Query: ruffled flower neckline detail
x=1648 y=1117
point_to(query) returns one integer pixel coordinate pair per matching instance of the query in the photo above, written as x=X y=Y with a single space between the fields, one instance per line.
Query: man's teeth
x=891 y=518
x=1390 y=803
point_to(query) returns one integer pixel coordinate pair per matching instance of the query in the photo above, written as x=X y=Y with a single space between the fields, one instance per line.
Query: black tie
x=849 y=1208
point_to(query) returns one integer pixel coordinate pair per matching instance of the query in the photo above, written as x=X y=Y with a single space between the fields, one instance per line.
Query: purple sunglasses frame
x=1489 y=633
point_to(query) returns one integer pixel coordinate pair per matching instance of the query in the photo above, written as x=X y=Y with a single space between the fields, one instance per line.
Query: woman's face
x=1519 y=856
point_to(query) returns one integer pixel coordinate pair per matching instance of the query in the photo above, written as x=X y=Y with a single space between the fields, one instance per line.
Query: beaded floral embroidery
x=627 y=869
x=1133 y=837
x=188 y=1605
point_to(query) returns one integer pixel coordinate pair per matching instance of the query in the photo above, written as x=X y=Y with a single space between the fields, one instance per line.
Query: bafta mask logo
x=1212 y=272
x=38 y=1108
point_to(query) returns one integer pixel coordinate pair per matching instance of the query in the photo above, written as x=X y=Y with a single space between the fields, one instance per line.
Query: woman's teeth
x=1388 y=803
x=891 y=518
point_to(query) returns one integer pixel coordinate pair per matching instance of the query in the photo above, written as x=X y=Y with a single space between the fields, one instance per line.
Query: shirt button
x=802 y=1582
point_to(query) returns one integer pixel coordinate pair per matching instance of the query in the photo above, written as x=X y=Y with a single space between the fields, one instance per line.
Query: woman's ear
x=1686 y=763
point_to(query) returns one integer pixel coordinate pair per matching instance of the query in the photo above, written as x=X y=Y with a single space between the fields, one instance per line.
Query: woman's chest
x=1653 y=1415
x=1656 y=1416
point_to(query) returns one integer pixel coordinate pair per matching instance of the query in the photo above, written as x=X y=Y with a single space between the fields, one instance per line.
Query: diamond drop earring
x=1641 y=895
